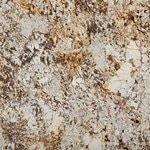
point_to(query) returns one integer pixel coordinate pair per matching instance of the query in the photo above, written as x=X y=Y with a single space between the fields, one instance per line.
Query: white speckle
x=56 y=122
x=95 y=144
x=35 y=23
x=78 y=81
x=133 y=104
x=132 y=52
x=98 y=52
x=44 y=80
x=87 y=138
x=122 y=81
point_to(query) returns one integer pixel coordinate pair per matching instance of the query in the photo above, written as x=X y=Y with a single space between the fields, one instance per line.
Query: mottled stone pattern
x=74 y=75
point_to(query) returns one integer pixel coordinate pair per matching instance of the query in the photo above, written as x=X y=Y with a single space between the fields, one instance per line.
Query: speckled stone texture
x=74 y=75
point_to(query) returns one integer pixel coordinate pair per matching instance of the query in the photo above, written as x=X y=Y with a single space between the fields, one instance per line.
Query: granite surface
x=74 y=75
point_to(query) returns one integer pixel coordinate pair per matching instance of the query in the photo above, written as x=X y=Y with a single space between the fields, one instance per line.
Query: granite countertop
x=74 y=75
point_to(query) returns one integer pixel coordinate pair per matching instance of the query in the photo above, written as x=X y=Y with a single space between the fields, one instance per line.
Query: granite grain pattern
x=74 y=74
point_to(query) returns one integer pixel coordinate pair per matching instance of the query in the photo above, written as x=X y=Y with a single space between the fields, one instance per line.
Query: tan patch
x=130 y=27
x=52 y=141
x=73 y=60
x=4 y=72
x=25 y=4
